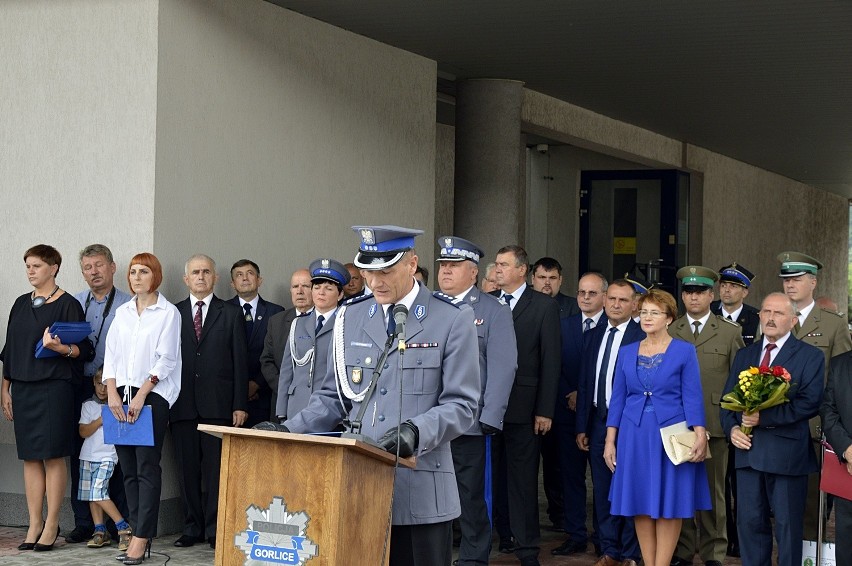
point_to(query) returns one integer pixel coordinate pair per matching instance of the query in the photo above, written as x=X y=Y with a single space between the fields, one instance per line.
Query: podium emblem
x=275 y=536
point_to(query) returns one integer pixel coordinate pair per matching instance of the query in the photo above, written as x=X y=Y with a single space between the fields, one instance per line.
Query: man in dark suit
x=246 y=280
x=458 y=267
x=734 y=283
x=278 y=330
x=836 y=414
x=214 y=390
x=529 y=413
x=591 y=293
x=773 y=462
x=617 y=534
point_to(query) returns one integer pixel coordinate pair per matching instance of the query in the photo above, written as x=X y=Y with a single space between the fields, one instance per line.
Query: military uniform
x=716 y=345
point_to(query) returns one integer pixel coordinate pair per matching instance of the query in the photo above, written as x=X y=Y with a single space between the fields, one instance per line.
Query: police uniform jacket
x=498 y=357
x=749 y=321
x=716 y=346
x=297 y=382
x=440 y=392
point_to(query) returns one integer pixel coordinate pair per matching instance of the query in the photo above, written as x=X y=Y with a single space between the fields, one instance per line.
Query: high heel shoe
x=130 y=561
x=30 y=545
x=45 y=547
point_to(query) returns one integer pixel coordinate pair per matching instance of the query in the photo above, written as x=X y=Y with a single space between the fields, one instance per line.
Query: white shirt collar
x=804 y=312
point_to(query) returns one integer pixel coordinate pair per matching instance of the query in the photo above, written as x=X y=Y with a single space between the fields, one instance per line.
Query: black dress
x=42 y=389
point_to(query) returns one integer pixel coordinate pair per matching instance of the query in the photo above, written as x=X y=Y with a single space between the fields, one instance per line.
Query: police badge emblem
x=367 y=237
x=324 y=264
x=275 y=536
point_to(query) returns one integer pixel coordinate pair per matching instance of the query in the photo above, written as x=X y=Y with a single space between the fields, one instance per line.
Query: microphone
x=400 y=315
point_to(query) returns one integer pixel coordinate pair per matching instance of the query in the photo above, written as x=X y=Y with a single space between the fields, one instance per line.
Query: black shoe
x=507 y=545
x=45 y=547
x=185 y=541
x=79 y=534
x=530 y=561
x=712 y=563
x=569 y=547
x=734 y=550
x=211 y=541
x=680 y=562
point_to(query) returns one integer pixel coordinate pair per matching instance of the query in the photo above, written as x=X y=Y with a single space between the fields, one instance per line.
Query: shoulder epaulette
x=356 y=300
x=835 y=313
x=731 y=322
x=447 y=299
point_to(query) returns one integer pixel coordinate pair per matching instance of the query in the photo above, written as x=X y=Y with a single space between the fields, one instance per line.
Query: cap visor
x=376 y=262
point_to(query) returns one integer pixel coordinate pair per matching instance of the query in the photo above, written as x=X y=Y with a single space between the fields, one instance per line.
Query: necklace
x=40 y=301
x=649 y=349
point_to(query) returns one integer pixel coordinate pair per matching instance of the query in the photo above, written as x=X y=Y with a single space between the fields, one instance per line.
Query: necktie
x=508 y=298
x=196 y=320
x=320 y=320
x=249 y=319
x=391 y=321
x=587 y=324
x=697 y=325
x=797 y=327
x=729 y=318
x=765 y=360
x=602 y=374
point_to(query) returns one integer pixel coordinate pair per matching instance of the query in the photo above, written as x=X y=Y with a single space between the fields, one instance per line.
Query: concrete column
x=489 y=203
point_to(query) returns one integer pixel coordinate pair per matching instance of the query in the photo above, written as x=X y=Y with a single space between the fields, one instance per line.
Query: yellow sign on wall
x=624 y=246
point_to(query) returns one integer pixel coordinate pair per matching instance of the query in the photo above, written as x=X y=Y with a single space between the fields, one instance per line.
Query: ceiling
x=768 y=82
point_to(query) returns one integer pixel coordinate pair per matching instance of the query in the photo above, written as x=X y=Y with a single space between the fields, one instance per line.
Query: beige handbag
x=677 y=442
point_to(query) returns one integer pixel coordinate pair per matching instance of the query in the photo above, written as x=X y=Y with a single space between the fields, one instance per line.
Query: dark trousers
x=843 y=525
x=552 y=478
x=469 y=463
x=572 y=464
x=142 y=473
x=500 y=491
x=199 y=459
x=730 y=497
x=757 y=494
x=82 y=512
x=617 y=534
x=422 y=545
x=519 y=452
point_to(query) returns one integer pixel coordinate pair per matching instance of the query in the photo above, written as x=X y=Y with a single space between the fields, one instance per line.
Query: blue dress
x=650 y=393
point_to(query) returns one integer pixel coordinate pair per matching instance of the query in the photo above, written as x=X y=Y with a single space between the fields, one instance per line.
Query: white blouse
x=148 y=344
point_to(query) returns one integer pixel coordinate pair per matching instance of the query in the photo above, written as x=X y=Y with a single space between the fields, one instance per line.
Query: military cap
x=324 y=269
x=382 y=246
x=736 y=274
x=794 y=264
x=697 y=276
x=458 y=249
x=638 y=287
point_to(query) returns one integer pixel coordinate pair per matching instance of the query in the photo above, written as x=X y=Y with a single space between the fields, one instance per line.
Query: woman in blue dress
x=657 y=383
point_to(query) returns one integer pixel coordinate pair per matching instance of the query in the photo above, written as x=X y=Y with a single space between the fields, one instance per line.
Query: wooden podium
x=295 y=498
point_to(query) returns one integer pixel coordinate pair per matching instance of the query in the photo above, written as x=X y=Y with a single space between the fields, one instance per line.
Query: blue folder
x=140 y=433
x=69 y=333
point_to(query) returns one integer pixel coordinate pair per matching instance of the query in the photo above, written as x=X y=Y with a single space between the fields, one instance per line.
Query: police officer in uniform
x=440 y=389
x=639 y=289
x=734 y=283
x=825 y=329
x=306 y=351
x=458 y=267
x=716 y=340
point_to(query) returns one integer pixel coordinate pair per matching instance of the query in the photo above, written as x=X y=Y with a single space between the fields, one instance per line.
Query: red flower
x=777 y=371
x=786 y=375
x=763 y=369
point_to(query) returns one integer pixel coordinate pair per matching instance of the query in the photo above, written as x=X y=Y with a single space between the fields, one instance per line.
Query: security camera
x=542 y=148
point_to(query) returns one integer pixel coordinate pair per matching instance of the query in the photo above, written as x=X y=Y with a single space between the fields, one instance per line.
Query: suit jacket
x=440 y=391
x=277 y=331
x=537 y=334
x=297 y=382
x=675 y=389
x=836 y=410
x=781 y=442
x=567 y=305
x=214 y=377
x=588 y=375
x=749 y=321
x=716 y=346
x=573 y=341
x=498 y=357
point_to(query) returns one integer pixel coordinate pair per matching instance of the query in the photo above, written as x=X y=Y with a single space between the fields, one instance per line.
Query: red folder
x=835 y=478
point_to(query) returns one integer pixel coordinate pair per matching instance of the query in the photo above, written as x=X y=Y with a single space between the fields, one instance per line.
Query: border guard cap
x=383 y=246
x=736 y=274
x=324 y=269
x=697 y=276
x=638 y=287
x=794 y=264
x=458 y=249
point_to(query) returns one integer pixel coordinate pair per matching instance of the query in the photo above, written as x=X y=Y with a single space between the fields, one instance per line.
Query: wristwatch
x=154 y=379
x=70 y=352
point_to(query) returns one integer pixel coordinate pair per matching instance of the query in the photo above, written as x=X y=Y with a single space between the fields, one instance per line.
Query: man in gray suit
x=440 y=389
x=458 y=267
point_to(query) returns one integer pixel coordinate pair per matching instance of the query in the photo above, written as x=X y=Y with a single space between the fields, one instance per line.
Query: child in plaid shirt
x=97 y=462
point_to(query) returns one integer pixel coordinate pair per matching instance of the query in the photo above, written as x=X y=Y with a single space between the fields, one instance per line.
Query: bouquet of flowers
x=758 y=389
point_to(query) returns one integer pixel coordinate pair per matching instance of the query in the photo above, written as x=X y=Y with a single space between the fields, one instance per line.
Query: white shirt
x=702 y=321
x=778 y=343
x=516 y=294
x=94 y=449
x=732 y=315
x=147 y=344
x=252 y=302
x=804 y=312
x=325 y=315
x=207 y=300
x=613 y=355
x=595 y=319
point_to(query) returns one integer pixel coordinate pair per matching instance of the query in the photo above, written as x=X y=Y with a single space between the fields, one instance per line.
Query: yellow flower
x=753 y=371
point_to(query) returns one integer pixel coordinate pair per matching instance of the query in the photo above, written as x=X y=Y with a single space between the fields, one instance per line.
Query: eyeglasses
x=591 y=294
x=652 y=314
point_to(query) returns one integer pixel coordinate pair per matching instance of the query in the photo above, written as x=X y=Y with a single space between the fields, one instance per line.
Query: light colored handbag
x=678 y=441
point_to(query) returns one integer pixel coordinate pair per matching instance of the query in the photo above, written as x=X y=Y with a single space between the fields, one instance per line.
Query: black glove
x=488 y=430
x=407 y=439
x=269 y=425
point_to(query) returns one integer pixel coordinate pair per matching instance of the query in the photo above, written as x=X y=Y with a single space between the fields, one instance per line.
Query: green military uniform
x=716 y=346
x=828 y=331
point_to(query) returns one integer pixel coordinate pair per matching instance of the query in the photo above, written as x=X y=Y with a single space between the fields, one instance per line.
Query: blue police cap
x=454 y=248
x=638 y=287
x=736 y=274
x=324 y=269
x=383 y=246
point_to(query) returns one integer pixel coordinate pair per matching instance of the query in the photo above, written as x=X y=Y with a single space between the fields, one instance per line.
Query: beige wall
x=276 y=133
